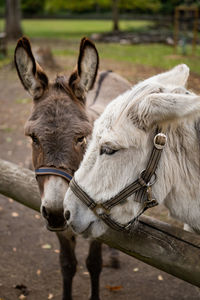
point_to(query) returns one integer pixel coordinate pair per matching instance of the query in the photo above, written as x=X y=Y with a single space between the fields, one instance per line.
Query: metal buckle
x=160 y=141
x=102 y=208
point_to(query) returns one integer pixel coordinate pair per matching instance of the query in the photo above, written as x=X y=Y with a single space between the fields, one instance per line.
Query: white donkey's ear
x=166 y=107
x=82 y=80
x=177 y=76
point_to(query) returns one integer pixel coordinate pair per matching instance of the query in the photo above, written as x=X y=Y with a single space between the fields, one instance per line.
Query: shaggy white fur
x=128 y=125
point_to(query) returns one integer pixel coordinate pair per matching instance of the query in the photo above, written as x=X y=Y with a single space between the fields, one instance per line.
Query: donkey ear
x=82 y=80
x=30 y=73
x=177 y=76
x=167 y=107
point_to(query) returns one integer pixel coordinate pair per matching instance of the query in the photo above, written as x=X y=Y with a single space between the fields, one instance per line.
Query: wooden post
x=20 y=184
x=13 y=19
x=176 y=29
x=195 y=30
x=161 y=245
x=186 y=9
x=115 y=15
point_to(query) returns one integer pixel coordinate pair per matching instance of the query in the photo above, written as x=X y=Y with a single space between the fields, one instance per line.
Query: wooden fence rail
x=161 y=245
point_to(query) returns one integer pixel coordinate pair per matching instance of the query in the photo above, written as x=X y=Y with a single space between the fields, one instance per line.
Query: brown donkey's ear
x=30 y=73
x=82 y=80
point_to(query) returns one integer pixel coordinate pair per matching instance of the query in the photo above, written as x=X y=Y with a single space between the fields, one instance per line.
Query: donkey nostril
x=44 y=212
x=67 y=215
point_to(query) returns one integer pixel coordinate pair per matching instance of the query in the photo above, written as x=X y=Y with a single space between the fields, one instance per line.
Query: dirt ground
x=29 y=267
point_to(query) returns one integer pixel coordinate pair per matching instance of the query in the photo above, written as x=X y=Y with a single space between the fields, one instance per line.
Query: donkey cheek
x=37 y=156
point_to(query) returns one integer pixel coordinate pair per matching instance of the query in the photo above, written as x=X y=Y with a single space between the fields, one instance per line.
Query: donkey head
x=121 y=145
x=58 y=124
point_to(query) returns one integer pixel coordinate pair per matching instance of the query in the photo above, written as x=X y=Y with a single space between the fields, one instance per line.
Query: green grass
x=156 y=55
x=72 y=29
x=153 y=55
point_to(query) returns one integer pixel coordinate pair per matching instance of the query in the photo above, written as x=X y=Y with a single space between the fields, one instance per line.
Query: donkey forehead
x=56 y=114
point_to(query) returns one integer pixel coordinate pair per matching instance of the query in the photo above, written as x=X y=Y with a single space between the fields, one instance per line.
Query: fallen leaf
x=46 y=246
x=135 y=270
x=37 y=216
x=10 y=200
x=8 y=139
x=19 y=143
x=6 y=128
x=38 y=272
x=114 y=288
x=15 y=214
x=50 y=296
x=21 y=297
x=23 y=101
x=9 y=152
x=85 y=273
x=57 y=251
x=14 y=249
x=160 y=277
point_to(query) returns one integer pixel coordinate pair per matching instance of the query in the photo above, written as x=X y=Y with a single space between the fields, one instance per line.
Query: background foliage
x=61 y=7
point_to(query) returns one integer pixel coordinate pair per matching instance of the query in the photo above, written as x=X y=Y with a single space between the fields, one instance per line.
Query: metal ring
x=159 y=146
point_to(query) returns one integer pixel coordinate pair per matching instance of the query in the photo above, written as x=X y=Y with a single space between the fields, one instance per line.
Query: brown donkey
x=59 y=126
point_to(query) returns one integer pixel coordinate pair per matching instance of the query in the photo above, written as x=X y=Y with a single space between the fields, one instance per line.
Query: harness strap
x=123 y=195
x=141 y=186
x=159 y=143
x=104 y=210
x=53 y=171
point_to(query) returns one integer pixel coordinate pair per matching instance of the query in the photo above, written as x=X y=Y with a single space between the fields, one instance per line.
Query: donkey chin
x=93 y=230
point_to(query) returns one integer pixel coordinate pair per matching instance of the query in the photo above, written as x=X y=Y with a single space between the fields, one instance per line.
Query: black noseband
x=53 y=171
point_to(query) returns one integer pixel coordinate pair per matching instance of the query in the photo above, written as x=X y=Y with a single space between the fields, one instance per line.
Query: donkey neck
x=109 y=86
x=180 y=166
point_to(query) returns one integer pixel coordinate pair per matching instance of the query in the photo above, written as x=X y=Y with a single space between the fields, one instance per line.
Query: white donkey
x=121 y=147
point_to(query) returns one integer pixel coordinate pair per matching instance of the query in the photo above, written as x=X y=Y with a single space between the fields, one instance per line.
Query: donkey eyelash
x=34 y=138
x=107 y=150
x=81 y=139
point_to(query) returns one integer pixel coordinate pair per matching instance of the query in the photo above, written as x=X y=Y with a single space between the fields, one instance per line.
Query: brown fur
x=57 y=125
x=58 y=121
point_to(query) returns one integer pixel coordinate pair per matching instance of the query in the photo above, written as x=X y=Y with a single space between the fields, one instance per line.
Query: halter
x=53 y=171
x=141 y=187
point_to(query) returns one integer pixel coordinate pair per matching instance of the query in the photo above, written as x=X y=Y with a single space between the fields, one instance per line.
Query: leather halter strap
x=141 y=186
x=53 y=171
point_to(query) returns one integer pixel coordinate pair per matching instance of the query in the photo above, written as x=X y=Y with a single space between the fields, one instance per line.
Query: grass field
x=156 y=55
x=73 y=29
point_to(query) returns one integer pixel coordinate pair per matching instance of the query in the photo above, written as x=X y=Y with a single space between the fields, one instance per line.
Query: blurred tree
x=141 y=5
x=33 y=6
x=68 y=5
x=115 y=14
x=13 y=19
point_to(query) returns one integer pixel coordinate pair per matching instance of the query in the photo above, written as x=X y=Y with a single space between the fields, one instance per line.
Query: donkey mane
x=60 y=84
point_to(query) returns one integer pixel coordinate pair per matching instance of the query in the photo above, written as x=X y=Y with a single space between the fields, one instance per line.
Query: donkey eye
x=34 y=139
x=81 y=139
x=107 y=150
